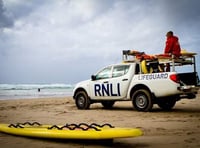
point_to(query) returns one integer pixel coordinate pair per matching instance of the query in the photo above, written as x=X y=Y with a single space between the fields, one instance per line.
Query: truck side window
x=120 y=70
x=137 y=69
x=104 y=74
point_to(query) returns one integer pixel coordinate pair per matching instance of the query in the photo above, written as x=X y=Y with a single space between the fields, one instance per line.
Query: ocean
x=22 y=91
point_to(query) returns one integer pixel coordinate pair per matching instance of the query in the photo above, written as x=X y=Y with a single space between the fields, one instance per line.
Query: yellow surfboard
x=184 y=52
x=69 y=131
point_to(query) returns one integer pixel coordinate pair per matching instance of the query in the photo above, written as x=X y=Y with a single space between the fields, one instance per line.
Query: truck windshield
x=104 y=74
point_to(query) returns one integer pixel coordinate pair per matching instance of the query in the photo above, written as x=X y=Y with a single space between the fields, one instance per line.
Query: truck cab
x=111 y=82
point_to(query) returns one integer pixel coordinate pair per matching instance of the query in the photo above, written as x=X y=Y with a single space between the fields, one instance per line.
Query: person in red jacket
x=172 y=45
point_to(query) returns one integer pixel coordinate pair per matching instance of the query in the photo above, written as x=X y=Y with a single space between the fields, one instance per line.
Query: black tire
x=142 y=100
x=167 y=103
x=108 y=104
x=82 y=100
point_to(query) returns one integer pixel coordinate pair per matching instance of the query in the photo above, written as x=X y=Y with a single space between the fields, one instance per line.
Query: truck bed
x=190 y=78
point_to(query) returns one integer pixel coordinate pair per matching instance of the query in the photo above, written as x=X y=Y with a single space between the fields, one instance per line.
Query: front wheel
x=82 y=100
x=142 y=100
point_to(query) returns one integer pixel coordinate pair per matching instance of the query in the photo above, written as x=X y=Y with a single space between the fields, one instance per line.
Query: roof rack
x=186 y=58
x=131 y=55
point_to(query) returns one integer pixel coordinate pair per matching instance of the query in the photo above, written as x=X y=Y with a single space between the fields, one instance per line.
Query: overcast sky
x=65 y=41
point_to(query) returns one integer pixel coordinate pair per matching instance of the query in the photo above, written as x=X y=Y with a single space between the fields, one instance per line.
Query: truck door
x=111 y=83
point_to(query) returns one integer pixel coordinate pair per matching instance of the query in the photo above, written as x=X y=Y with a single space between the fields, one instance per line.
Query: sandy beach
x=177 y=128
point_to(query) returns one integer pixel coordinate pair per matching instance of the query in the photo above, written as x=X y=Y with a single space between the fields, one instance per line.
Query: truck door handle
x=124 y=79
x=105 y=82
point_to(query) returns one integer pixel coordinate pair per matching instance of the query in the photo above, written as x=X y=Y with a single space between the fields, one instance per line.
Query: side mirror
x=93 y=77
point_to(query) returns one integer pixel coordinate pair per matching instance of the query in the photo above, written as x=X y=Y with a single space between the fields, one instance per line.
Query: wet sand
x=177 y=128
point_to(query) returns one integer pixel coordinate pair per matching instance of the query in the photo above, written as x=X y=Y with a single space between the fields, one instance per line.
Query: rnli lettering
x=106 y=90
x=153 y=76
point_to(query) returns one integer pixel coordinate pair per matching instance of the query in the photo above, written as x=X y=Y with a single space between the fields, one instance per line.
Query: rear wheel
x=108 y=104
x=167 y=103
x=142 y=100
x=82 y=100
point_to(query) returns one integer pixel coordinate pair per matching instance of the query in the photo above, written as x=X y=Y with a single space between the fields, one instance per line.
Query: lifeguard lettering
x=153 y=76
x=106 y=90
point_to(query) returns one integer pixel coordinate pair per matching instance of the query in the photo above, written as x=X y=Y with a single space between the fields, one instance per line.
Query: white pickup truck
x=140 y=81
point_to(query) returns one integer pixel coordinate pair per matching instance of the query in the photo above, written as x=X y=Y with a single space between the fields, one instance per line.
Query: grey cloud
x=71 y=39
x=23 y=8
x=5 y=19
x=184 y=10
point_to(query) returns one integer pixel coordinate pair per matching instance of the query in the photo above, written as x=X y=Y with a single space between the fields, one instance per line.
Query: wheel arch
x=77 y=90
x=140 y=86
